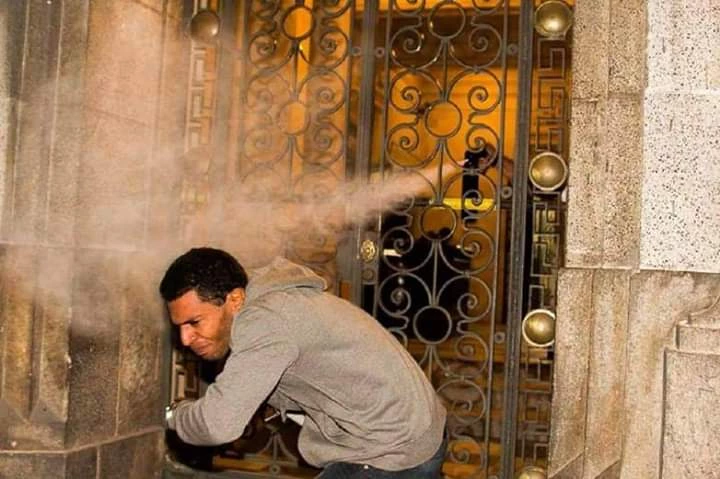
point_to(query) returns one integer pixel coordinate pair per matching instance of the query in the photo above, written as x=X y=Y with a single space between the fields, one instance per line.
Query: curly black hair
x=211 y=272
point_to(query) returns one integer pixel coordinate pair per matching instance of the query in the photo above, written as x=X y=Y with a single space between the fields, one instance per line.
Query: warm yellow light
x=483 y=206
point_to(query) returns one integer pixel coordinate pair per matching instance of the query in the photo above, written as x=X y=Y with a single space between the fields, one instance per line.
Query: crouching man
x=369 y=411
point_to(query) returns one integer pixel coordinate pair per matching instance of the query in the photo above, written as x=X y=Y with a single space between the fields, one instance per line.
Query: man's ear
x=236 y=298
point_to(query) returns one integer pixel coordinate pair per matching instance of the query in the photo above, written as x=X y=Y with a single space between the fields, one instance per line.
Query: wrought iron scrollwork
x=436 y=285
x=294 y=109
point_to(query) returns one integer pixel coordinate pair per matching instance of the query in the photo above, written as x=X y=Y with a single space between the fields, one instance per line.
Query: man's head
x=204 y=289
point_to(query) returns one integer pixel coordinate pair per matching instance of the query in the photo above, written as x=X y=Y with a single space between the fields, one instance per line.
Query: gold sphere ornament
x=368 y=250
x=553 y=19
x=538 y=328
x=548 y=171
x=532 y=472
x=205 y=26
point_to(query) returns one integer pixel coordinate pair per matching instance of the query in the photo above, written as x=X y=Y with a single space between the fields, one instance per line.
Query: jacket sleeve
x=249 y=376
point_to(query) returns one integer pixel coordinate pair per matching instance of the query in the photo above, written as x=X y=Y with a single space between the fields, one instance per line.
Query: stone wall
x=642 y=242
x=92 y=102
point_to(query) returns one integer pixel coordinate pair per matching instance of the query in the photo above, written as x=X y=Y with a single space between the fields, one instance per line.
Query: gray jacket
x=365 y=398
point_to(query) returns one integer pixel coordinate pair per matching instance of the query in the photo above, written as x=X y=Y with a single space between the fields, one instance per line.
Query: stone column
x=642 y=246
x=602 y=238
x=95 y=98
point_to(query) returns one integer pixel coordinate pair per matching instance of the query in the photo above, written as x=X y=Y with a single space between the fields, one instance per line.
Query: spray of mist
x=254 y=227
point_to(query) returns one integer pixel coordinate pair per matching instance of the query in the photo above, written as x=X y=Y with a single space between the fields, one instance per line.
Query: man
x=369 y=410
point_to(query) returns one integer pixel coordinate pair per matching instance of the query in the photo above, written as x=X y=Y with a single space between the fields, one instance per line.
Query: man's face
x=204 y=326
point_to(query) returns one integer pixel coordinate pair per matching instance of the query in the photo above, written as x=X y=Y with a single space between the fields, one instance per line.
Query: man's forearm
x=249 y=376
x=187 y=419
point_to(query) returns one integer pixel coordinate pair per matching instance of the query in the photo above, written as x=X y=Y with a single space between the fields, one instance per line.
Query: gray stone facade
x=634 y=377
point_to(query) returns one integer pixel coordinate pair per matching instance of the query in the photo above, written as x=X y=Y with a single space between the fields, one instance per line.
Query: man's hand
x=170 y=415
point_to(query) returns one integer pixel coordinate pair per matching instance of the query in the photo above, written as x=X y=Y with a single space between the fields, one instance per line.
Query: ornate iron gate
x=470 y=95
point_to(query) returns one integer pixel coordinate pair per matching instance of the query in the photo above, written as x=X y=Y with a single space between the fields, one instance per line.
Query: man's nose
x=187 y=335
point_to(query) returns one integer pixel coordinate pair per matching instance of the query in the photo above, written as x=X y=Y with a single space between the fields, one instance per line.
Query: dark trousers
x=430 y=469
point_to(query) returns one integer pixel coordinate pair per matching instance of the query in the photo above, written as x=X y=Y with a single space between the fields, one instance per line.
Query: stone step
x=698 y=337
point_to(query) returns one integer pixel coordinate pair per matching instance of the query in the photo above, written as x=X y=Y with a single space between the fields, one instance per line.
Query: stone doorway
x=472 y=97
x=92 y=102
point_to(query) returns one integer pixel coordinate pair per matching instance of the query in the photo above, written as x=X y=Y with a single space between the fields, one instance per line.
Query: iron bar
x=223 y=98
x=366 y=112
x=518 y=242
